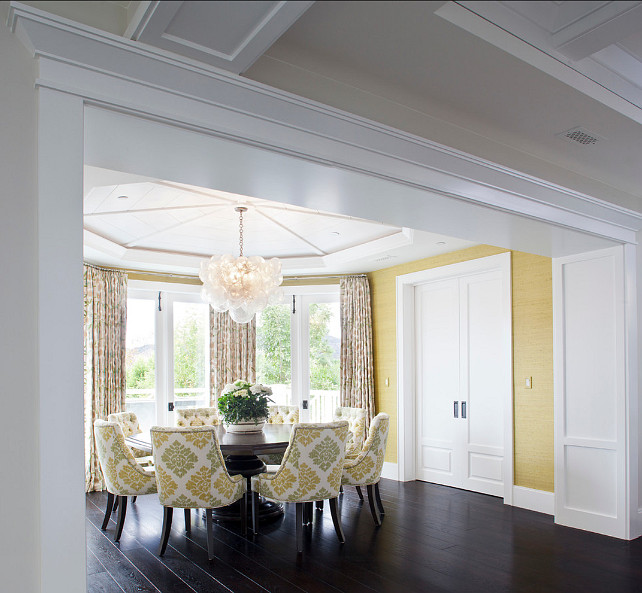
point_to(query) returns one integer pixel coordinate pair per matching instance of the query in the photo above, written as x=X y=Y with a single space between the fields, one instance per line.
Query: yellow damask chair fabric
x=365 y=469
x=191 y=474
x=279 y=415
x=129 y=423
x=124 y=476
x=311 y=471
x=189 y=417
x=356 y=418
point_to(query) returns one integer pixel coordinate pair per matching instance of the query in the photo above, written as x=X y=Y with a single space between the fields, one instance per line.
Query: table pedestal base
x=247 y=466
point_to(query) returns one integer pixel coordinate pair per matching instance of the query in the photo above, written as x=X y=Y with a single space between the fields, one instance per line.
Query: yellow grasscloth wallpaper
x=532 y=355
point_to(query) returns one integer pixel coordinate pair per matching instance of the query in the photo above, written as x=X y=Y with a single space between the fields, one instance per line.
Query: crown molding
x=123 y=75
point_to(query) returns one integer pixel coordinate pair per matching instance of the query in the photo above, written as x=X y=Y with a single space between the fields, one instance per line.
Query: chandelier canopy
x=243 y=285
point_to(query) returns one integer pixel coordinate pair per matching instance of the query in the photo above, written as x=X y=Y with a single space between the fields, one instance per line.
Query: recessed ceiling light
x=440 y=243
x=336 y=233
x=123 y=197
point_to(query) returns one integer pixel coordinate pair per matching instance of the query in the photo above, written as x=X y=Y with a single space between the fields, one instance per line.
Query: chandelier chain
x=241 y=233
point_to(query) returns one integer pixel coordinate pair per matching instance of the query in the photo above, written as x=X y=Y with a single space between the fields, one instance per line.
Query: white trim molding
x=390 y=471
x=121 y=74
x=534 y=500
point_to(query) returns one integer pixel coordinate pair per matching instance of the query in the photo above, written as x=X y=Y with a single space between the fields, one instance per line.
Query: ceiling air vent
x=581 y=136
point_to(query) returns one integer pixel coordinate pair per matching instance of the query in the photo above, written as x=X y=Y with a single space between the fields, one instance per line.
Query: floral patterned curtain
x=357 y=367
x=232 y=352
x=105 y=324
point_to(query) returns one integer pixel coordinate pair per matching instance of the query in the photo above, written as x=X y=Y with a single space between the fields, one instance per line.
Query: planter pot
x=246 y=426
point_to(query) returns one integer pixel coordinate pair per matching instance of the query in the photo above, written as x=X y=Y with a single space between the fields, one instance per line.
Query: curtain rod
x=141 y=272
x=187 y=276
x=339 y=276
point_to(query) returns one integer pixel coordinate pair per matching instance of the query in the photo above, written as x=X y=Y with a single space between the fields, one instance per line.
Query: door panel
x=437 y=313
x=482 y=319
x=460 y=358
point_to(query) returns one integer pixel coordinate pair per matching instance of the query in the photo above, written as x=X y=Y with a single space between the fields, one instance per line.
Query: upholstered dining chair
x=189 y=417
x=129 y=423
x=279 y=415
x=365 y=469
x=311 y=471
x=124 y=476
x=191 y=474
x=356 y=418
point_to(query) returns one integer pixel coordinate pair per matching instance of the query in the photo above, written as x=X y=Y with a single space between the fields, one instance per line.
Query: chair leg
x=255 y=512
x=134 y=499
x=168 y=512
x=115 y=507
x=244 y=514
x=307 y=513
x=336 y=520
x=188 y=519
x=210 y=534
x=378 y=497
x=359 y=492
x=319 y=505
x=299 y=527
x=373 y=510
x=122 y=511
x=110 y=506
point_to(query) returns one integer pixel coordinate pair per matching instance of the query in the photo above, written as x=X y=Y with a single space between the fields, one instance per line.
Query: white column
x=60 y=342
x=590 y=350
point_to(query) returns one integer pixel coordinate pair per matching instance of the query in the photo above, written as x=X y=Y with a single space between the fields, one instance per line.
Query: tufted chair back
x=283 y=414
x=356 y=418
x=124 y=476
x=190 y=469
x=366 y=468
x=128 y=422
x=312 y=464
x=190 y=417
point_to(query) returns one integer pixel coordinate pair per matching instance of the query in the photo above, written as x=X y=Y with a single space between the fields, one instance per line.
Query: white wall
x=19 y=511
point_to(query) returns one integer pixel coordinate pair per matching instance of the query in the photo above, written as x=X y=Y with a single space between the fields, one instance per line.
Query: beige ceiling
x=499 y=80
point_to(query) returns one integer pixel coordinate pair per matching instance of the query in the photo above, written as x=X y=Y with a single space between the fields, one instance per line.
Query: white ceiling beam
x=236 y=33
x=599 y=29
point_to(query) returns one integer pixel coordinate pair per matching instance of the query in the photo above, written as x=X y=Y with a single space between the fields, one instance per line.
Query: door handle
x=456 y=409
x=463 y=409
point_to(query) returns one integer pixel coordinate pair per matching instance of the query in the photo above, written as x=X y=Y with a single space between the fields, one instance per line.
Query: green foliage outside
x=190 y=357
x=273 y=362
x=190 y=360
x=141 y=374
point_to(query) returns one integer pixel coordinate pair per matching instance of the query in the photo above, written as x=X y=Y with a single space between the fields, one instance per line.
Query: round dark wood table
x=240 y=451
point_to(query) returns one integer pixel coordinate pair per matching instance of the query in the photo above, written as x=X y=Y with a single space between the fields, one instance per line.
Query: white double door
x=462 y=373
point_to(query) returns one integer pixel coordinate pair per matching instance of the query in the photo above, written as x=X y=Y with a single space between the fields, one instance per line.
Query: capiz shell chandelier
x=243 y=285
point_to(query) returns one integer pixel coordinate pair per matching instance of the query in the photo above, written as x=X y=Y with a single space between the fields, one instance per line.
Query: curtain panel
x=357 y=366
x=105 y=327
x=232 y=352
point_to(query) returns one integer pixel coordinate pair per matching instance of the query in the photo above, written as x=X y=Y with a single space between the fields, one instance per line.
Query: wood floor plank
x=433 y=539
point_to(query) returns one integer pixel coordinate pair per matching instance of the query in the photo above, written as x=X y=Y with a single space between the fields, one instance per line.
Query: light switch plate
x=529 y=383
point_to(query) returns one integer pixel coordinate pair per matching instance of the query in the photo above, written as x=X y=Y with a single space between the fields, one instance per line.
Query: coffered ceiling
x=551 y=89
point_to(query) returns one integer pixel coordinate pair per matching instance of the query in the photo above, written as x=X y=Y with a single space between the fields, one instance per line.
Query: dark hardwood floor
x=432 y=539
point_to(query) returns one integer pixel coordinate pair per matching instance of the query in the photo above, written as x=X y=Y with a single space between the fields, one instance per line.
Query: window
x=167 y=345
x=298 y=347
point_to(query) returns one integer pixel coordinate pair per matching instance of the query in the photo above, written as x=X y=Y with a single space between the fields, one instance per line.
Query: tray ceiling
x=137 y=223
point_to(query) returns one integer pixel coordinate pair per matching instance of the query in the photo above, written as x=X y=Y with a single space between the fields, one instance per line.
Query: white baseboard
x=390 y=471
x=534 y=500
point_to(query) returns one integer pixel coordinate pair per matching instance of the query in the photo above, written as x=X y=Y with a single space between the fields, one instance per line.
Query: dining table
x=240 y=451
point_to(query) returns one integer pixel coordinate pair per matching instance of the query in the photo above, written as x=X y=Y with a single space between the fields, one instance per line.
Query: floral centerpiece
x=244 y=407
